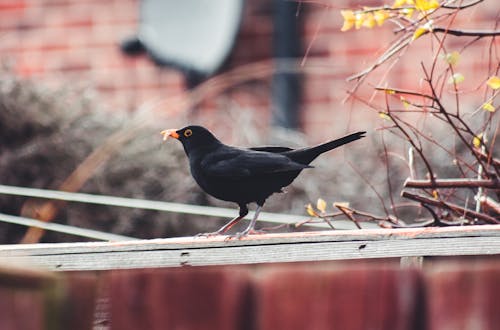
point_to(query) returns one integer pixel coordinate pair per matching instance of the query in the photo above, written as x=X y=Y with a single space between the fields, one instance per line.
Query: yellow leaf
x=310 y=210
x=406 y=104
x=369 y=21
x=380 y=16
x=452 y=58
x=384 y=115
x=426 y=5
x=476 y=141
x=422 y=29
x=390 y=91
x=494 y=82
x=398 y=3
x=349 y=19
x=401 y=3
x=435 y=194
x=419 y=32
x=456 y=78
x=434 y=4
x=321 y=205
x=360 y=18
x=407 y=12
x=488 y=107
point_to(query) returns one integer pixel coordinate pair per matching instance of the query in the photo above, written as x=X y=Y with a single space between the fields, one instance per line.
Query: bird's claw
x=244 y=233
x=207 y=235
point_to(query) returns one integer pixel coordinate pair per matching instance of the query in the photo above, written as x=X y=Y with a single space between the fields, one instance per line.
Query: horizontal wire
x=161 y=206
x=72 y=230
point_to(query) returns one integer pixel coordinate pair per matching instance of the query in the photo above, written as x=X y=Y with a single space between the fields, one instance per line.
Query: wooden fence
x=274 y=281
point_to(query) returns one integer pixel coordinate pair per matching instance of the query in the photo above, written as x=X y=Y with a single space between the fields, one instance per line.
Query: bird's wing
x=272 y=149
x=246 y=163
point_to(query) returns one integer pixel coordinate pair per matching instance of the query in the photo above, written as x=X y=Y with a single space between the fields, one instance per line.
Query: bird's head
x=191 y=137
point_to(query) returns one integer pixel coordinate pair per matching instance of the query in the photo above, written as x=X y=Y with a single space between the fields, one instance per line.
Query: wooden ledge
x=282 y=247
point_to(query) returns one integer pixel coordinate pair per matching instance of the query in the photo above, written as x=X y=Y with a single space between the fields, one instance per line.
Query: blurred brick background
x=75 y=43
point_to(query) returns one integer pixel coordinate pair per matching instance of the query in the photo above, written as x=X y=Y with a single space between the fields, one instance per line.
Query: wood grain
x=268 y=248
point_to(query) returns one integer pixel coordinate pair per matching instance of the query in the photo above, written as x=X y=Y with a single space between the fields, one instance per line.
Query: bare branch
x=452 y=183
x=347 y=213
x=453 y=207
x=462 y=6
x=466 y=33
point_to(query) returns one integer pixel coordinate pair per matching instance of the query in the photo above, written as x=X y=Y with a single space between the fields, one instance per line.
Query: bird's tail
x=338 y=142
x=307 y=155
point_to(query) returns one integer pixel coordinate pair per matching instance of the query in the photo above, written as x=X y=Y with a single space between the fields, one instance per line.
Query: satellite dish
x=193 y=35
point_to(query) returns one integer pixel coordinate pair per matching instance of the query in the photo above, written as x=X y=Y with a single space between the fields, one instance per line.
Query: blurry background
x=72 y=75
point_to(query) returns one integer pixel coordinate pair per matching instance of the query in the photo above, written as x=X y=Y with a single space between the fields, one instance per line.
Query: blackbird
x=244 y=175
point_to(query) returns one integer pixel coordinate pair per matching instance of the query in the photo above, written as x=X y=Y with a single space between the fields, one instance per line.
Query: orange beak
x=169 y=133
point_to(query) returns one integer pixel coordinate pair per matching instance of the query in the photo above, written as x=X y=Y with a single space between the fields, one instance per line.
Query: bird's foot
x=244 y=233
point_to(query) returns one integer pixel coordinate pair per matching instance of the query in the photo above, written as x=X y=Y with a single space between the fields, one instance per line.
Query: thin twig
x=450 y=122
x=437 y=222
x=460 y=6
x=347 y=213
x=466 y=33
x=452 y=183
x=453 y=207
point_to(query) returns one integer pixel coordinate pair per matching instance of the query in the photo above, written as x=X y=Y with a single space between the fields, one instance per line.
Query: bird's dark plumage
x=244 y=175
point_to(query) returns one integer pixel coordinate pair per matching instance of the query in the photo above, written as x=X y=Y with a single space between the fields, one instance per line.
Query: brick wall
x=76 y=43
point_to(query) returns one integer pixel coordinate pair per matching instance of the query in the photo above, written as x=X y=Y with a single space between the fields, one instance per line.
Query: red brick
x=12 y=6
x=82 y=36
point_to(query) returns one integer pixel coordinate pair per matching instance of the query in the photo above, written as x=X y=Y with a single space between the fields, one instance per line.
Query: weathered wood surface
x=268 y=248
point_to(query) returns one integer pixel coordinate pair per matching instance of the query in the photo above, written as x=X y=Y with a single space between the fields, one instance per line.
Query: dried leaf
x=310 y=210
x=341 y=204
x=321 y=205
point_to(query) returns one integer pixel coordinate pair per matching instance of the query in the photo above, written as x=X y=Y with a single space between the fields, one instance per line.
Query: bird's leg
x=229 y=225
x=250 y=228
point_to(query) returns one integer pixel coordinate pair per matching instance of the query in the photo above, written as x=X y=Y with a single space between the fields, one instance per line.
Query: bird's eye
x=188 y=133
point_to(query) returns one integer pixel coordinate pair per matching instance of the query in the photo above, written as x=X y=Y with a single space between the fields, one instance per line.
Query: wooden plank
x=289 y=247
x=183 y=298
x=52 y=301
x=463 y=295
x=368 y=297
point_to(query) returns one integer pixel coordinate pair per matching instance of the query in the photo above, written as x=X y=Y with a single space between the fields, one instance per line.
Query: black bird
x=243 y=175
